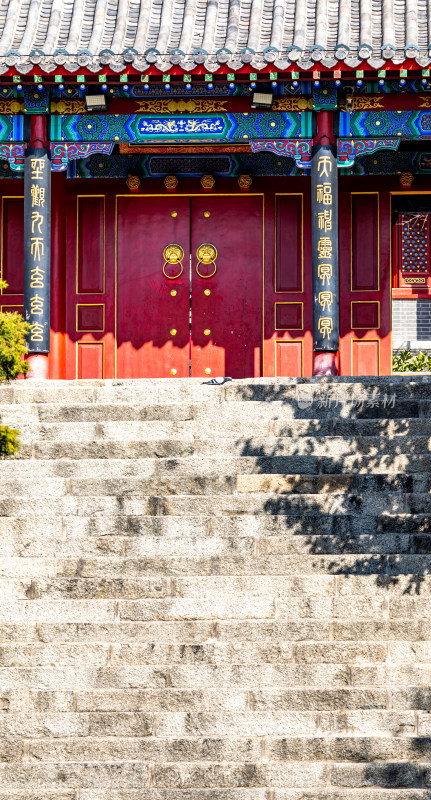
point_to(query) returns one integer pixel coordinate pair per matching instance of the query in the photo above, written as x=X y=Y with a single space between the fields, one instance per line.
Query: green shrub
x=407 y=362
x=9 y=441
x=12 y=350
x=12 y=344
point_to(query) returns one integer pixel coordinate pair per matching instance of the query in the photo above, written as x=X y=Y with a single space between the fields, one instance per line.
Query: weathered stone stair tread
x=215 y=466
x=212 y=593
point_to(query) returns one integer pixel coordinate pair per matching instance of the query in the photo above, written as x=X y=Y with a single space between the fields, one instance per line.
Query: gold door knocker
x=206 y=254
x=173 y=254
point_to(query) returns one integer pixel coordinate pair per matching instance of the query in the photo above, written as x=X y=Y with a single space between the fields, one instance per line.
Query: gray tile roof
x=98 y=34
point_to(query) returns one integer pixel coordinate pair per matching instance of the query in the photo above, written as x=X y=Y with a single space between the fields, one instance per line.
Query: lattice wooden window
x=414 y=249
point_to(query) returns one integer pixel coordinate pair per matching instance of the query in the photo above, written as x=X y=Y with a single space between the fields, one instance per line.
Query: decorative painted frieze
x=193 y=128
x=61 y=154
x=350 y=149
x=300 y=151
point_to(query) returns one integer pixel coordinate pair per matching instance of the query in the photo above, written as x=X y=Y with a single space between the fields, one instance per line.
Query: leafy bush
x=12 y=350
x=407 y=362
x=12 y=345
x=9 y=441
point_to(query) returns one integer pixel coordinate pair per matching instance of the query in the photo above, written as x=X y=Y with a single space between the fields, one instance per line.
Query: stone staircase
x=216 y=593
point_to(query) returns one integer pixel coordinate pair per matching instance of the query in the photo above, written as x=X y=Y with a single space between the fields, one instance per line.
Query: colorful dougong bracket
x=14 y=154
x=299 y=150
x=61 y=153
x=350 y=149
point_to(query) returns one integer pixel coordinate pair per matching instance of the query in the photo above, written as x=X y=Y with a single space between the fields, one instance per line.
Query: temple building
x=216 y=188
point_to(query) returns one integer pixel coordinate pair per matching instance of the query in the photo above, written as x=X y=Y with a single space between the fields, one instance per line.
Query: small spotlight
x=188 y=87
x=253 y=85
x=403 y=82
x=424 y=81
x=295 y=84
x=61 y=87
x=104 y=87
x=359 y=83
x=262 y=100
x=274 y=84
x=381 y=82
x=338 y=83
x=146 y=87
x=95 y=102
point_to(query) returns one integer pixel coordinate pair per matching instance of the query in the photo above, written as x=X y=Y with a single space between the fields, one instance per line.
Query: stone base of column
x=325 y=363
x=38 y=367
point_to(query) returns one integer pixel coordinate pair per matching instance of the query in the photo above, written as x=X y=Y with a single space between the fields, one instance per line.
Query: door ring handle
x=173 y=254
x=206 y=254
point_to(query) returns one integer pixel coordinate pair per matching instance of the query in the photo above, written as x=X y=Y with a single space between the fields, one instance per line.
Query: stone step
x=218 y=505
x=240 y=527
x=173 y=485
x=64 y=539
x=135 y=431
x=177 y=390
x=267 y=446
x=195 y=466
x=354 y=573
x=259 y=413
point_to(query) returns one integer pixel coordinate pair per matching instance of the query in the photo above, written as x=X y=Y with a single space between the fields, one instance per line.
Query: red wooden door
x=161 y=286
x=226 y=285
x=153 y=286
x=288 y=350
x=12 y=253
x=90 y=287
x=365 y=299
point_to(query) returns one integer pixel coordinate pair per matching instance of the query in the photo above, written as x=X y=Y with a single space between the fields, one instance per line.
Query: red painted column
x=57 y=356
x=39 y=362
x=325 y=363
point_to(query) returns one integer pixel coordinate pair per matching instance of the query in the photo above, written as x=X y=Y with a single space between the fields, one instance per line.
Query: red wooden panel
x=288 y=316
x=365 y=315
x=13 y=244
x=288 y=359
x=90 y=360
x=227 y=321
x=91 y=245
x=365 y=242
x=365 y=308
x=11 y=309
x=289 y=253
x=288 y=281
x=365 y=357
x=90 y=317
x=153 y=329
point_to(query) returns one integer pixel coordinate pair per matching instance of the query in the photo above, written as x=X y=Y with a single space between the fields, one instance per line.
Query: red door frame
x=273 y=338
x=365 y=348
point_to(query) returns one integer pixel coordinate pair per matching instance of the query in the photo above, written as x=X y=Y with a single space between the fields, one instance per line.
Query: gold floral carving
x=207 y=182
x=11 y=107
x=169 y=106
x=171 y=183
x=425 y=101
x=244 y=182
x=68 y=107
x=133 y=183
x=292 y=104
x=364 y=103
